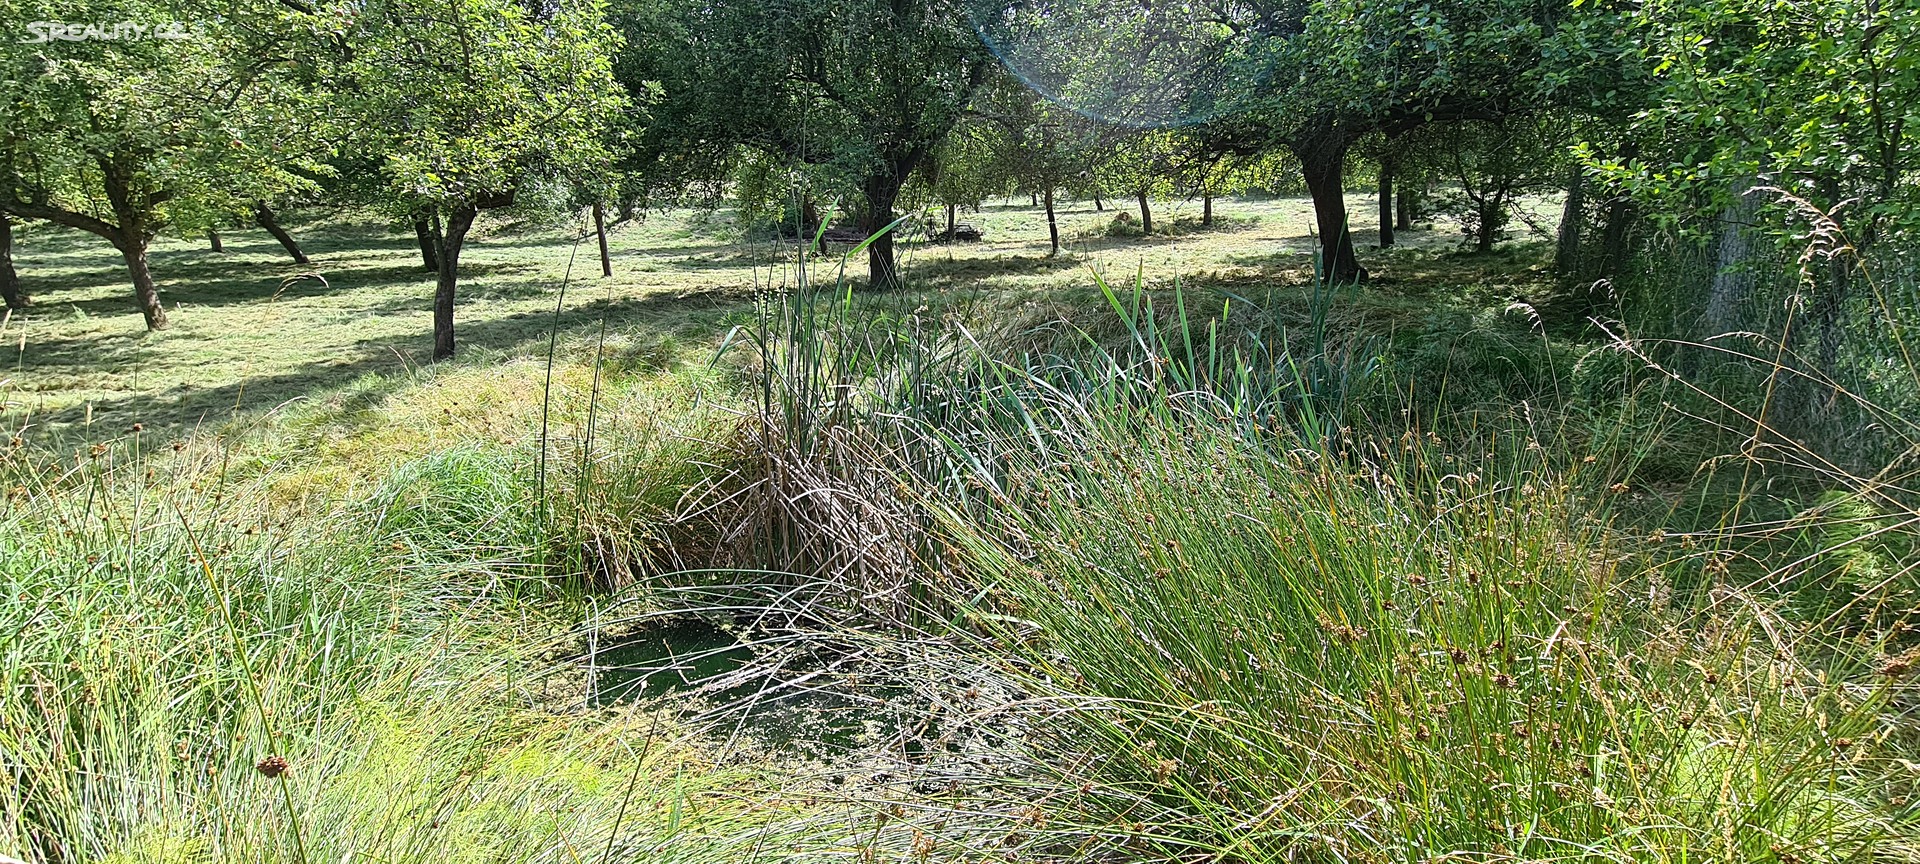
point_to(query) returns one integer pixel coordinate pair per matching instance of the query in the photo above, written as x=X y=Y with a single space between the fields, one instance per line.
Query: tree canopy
x=464 y=101
x=871 y=87
x=124 y=137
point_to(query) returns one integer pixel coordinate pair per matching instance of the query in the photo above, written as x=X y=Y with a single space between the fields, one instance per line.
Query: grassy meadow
x=1154 y=551
x=249 y=345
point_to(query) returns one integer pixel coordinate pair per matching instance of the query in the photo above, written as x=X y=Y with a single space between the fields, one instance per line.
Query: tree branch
x=60 y=216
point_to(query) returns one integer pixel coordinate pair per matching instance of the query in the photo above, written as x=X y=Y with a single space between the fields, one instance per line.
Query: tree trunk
x=145 y=293
x=1146 y=213
x=1322 y=166
x=1488 y=230
x=950 y=222
x=1736 y=252
x=213 y=240
x=1053 y=227
x=881 y=191
x=1403 y=220
x=1573 y=216
x=1829 y=314
x=1033 y=199
x=458 y=222
x=1617 y=232
x=132 y=208
x=265 y=217
x=1099 y=206
x=1386 y=205
x=600 y=229
x=1614 y=238
x=1206 y=209
x=423 y=231
x=9 y=280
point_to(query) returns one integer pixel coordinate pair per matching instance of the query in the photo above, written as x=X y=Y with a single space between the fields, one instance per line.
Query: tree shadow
x=948 y=272
x=1100 y=243
x=233 y=282
x=36 y=238
x=184 y=408
x=670 y=253
x=92 y=352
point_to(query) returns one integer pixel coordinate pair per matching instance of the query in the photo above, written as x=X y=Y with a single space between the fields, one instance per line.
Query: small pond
x=798 y=695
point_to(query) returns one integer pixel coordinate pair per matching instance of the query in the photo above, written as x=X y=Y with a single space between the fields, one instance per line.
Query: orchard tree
x=966 y=168
x=1390 y=158
x=768 y=187
x=1317 y=78
x=1144 y=163
x=1210 y=173
x=462 y=101
x=264 y=216
x=1493 y=162
x=869 y=87
x=157 y=127
x=1043 y=147
x=1817 y=98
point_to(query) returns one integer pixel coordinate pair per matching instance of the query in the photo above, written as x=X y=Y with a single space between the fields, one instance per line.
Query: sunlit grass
x=368 y=590
x=80 y=360
x=1269 y=655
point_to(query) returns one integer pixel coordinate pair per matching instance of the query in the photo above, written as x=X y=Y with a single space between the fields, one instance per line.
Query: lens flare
x=1136 y=63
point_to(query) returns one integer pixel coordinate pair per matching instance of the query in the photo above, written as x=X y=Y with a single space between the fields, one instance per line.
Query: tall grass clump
x=856 y=395
x=1262 y=620
x=1266 y=655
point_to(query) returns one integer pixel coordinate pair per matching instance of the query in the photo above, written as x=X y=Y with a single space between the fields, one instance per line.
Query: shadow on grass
x=940 y=272
x=184 y=408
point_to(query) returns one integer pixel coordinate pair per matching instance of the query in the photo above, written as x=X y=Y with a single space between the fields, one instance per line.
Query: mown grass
x=80 y=359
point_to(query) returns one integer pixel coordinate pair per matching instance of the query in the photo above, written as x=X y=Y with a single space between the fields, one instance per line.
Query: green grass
x=1274 y=657
x=175 y=617
x=1210 y=565
x=81 y=359
x=1257 y=617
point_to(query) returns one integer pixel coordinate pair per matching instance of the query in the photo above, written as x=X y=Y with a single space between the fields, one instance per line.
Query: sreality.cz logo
x=121 y=31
